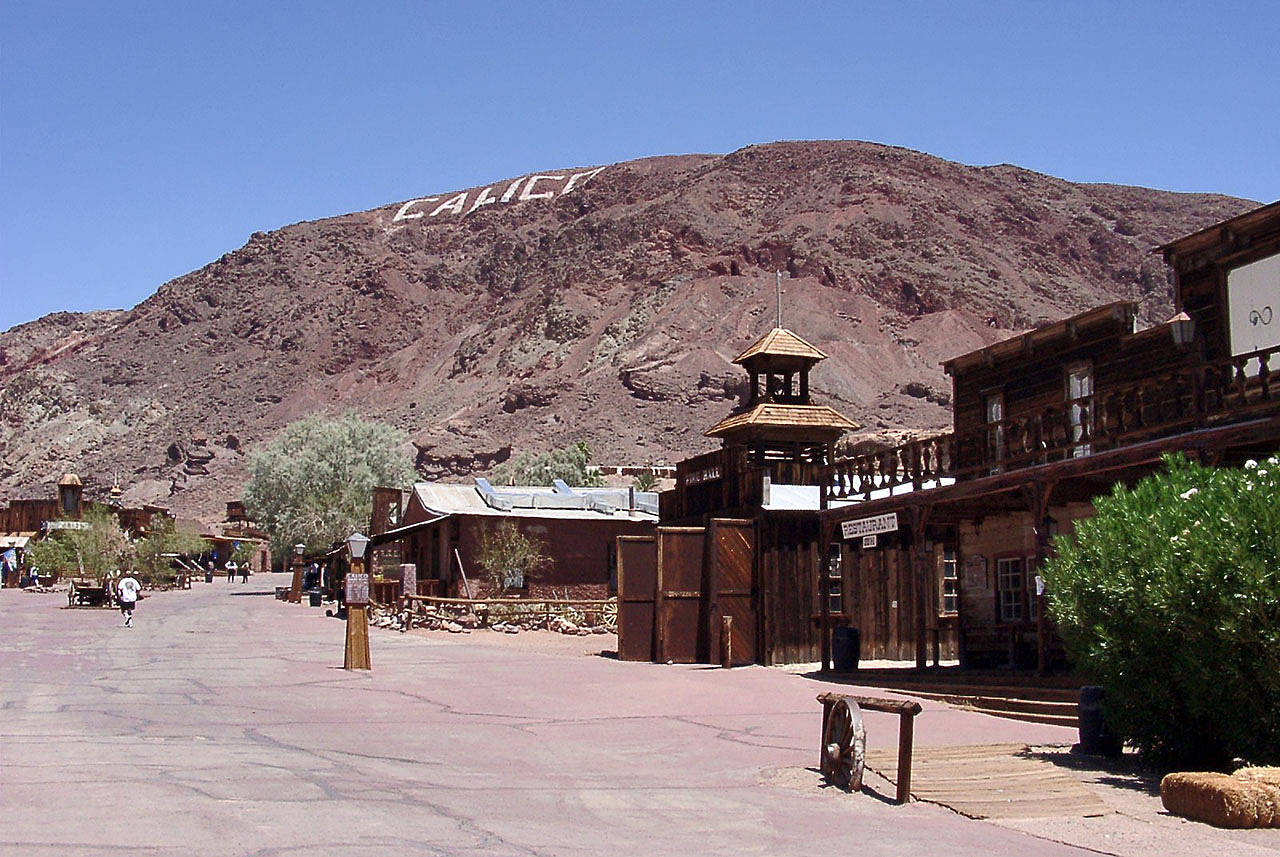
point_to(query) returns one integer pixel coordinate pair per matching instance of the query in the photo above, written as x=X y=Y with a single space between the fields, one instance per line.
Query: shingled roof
x=781 y=342
x=791 y=416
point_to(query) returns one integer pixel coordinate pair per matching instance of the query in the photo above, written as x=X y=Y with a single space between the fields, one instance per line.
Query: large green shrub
x=1170 y=598
x=313 y=484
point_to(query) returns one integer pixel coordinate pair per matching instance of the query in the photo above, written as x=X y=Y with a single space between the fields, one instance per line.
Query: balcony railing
x=1197 y=396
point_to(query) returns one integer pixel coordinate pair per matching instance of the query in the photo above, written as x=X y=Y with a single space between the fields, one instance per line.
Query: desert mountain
x=601 y=304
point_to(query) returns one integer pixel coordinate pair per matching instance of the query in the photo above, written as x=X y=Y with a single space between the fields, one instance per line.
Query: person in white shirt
x=128 y=589
x=231 y=570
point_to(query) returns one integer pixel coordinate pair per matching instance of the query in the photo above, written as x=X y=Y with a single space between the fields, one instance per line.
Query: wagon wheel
x=844 y=746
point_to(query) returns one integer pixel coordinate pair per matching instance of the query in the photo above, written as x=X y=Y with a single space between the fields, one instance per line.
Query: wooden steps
x=1052 y=699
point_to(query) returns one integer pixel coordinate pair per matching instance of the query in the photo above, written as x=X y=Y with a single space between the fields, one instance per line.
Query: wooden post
x=920 y=564
x=726 y=641
x=356 y=654
x=824 y=594
x=906 y=729
x=295 y=587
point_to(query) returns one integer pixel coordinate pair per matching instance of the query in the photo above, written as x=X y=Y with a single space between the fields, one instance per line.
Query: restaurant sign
x=869 y=526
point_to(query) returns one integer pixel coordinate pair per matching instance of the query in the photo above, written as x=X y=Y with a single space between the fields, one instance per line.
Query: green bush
x=1170 y=599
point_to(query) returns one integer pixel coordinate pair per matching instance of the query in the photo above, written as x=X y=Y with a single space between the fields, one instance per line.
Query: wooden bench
x=906 y=710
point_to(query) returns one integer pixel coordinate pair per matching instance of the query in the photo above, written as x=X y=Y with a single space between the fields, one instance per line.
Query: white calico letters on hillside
x=521 y=190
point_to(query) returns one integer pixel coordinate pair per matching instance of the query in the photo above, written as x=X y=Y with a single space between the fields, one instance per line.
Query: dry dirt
x=608 y=314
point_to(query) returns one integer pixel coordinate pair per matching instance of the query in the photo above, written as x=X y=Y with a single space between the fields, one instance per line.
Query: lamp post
x=295 y=588
x=356 y=656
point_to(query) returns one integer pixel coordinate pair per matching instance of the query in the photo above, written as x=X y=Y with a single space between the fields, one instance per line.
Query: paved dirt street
x=223 y=724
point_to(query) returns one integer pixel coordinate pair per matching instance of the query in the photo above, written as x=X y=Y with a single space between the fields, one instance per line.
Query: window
x=995 y=430
x=1009 y=588
x=1080 y=408
x=949 y=604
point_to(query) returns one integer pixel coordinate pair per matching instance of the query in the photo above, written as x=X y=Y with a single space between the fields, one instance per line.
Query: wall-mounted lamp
x=1183 y=329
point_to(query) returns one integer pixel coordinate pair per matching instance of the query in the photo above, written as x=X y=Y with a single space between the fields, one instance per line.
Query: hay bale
x=1221 y=799
x=1270 y=776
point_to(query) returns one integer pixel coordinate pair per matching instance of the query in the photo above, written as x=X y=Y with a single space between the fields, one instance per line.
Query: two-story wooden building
x=1043 y=423
x=931 y=548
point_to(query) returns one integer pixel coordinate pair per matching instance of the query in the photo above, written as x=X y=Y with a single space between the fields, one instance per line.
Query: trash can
x=316 y=597
x=208 y=575
x=1096 y=738
x=846 y=648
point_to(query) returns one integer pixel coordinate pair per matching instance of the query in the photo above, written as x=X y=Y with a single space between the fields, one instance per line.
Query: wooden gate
x=637 y=591
x=732 y=577
x=680 y=587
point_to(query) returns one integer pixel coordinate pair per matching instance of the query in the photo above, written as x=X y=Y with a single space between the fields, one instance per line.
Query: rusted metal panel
x=637 y=590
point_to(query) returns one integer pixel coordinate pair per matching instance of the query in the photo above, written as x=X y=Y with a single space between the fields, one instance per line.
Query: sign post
x=356 y=655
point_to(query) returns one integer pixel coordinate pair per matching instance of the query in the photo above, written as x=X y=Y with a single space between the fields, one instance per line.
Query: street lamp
x=1183 y=329
x=356 y=655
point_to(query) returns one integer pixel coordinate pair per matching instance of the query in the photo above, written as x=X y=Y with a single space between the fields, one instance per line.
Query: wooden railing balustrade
x=1196 y=396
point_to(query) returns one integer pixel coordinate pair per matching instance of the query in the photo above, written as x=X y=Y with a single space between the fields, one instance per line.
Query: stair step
x=1040 y=694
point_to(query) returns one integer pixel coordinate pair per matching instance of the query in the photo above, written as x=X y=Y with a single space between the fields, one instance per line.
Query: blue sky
x=139 y=141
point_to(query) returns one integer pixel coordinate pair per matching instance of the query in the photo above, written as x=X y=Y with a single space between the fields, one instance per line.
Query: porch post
x=825 y=529
x=919 y=563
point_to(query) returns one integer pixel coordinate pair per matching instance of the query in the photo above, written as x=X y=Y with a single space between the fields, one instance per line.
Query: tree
x=571 y=463
x=1170 y=598
x=646 y=481
x=510 y=559
x=153 y=553
x=95 y=551
x=313 y=484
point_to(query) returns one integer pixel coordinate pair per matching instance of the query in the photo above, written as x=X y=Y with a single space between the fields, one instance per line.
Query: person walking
x=231 y=570
x=128 y=589
x=244 y=571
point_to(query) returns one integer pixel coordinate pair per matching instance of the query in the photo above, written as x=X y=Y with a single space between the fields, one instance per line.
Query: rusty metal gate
x=637 y=591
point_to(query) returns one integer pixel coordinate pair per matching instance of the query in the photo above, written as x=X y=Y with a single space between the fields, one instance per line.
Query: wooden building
x=730 y=544
x=438 y=528
x=1043 y=423
x=930 y=550
x=25 y=520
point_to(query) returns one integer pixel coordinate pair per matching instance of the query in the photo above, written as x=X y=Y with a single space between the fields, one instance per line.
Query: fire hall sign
x=523 y=189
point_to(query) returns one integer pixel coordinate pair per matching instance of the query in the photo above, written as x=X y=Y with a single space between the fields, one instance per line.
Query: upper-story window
x=1080 y=408
x=995 y=430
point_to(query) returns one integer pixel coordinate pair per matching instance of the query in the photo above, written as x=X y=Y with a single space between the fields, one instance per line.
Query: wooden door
x=733 y=589
x=637 y=592
x=679 y=604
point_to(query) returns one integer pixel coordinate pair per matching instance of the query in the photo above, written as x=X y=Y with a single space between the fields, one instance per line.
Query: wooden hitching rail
x=906 y=710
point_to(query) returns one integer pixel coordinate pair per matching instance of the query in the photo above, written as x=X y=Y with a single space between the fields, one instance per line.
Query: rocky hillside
x=598 y=304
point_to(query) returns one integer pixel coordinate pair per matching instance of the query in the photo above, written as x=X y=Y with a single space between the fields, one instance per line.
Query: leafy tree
x=646 y=481
x=510 y=559
x=571 y=463
x=152 y=554
x=313 y=483
x=95 y=551
x=1170 y=598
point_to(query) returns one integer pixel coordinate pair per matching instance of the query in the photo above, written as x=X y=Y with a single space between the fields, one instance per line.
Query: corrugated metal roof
x=534 y=502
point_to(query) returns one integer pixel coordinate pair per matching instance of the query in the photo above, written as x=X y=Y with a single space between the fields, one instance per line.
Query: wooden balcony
x=1201 y=395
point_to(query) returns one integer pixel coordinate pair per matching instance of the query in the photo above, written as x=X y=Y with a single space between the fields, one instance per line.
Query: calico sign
x=869 y=526
x=522 y=189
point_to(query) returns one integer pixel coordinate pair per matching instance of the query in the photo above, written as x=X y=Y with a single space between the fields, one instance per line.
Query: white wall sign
x=67 y=525
x=1253 y=301
x=868 y=542
x=869 y=526
x=521 y=190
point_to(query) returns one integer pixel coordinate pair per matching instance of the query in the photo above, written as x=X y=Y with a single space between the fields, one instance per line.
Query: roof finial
x=778 y=275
